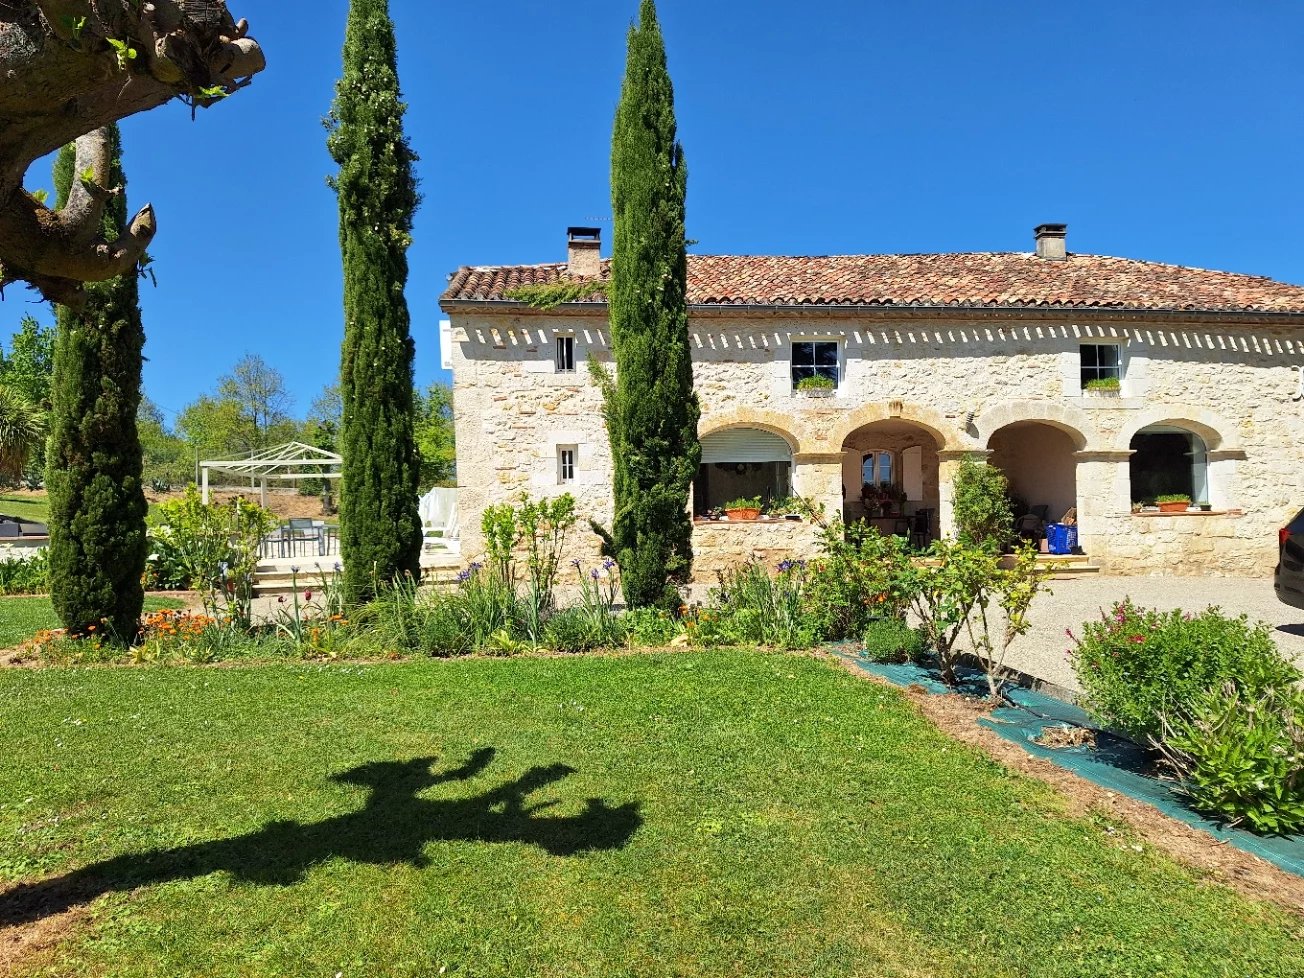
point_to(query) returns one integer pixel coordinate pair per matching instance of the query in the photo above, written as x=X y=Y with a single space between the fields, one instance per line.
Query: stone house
x=931 y=358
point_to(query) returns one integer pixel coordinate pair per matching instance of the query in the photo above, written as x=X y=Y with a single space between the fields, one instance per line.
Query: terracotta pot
x=743 y=514
x=1174 y=507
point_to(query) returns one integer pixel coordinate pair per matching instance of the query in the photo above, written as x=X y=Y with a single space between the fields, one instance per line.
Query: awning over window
x=744 y=445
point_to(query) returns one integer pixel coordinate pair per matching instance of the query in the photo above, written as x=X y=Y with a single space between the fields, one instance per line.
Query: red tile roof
x=974 y=280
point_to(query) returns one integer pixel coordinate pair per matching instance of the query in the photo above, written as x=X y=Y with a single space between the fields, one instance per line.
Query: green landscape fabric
x=1115 y=763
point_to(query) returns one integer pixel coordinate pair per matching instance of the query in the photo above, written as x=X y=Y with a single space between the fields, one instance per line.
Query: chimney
x=583 y=258
x=1050 y=241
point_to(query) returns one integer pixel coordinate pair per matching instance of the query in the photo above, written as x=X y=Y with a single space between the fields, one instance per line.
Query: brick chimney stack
x=583 y=252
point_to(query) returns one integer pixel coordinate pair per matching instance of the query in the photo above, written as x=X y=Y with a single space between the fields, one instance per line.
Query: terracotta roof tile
x=974 y=280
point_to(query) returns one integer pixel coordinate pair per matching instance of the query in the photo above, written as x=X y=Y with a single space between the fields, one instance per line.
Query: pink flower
x=1137 y=638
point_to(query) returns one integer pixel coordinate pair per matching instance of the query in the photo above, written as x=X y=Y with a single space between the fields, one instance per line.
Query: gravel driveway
x=1040 y=653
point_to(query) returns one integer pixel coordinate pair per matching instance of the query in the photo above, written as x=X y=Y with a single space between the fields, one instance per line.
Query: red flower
x=1137 y=638
x=307 y=595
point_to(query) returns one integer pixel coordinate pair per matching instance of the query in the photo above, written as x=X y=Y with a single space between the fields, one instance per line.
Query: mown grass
x=25 y=507
x=22 y=616
x=752 y=814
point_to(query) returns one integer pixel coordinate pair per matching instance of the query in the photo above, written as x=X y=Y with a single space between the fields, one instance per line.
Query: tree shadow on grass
x=393 y=827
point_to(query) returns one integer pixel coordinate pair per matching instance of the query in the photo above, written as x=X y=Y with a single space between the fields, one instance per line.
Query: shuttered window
x=744 y=445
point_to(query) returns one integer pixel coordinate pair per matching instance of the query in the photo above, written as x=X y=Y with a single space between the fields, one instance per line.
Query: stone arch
x=771 y=421
x=1217 y=433
x=1073 y=421
x=944 y=432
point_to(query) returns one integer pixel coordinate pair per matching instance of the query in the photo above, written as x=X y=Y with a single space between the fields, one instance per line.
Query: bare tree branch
x=71 y=67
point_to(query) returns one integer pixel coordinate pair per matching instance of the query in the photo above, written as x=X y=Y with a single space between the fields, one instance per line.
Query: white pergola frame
x=293 y=460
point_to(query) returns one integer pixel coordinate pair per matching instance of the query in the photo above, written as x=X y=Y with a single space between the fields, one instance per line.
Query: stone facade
x=1000 y=386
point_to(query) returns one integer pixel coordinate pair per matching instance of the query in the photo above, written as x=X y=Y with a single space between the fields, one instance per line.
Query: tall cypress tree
x=97 y=503
x=652 y=411
x=380 y=530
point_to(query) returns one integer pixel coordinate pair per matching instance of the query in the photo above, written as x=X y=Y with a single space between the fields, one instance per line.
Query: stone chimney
x=1050 y=241
x=583 y=252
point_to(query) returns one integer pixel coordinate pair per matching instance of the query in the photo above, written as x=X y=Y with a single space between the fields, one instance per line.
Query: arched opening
x=742 y=463
x=890 y=478
x=1168 y=460
x=1038 y=461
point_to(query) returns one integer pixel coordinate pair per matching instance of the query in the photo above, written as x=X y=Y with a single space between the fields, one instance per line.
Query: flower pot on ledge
x=1175 y=507
x=743 y=514
x=815 y=392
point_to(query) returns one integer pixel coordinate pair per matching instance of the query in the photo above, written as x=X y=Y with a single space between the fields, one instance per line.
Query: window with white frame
x=1101 y=362
x=815 y=358
x=566 y=464
x=565 y=354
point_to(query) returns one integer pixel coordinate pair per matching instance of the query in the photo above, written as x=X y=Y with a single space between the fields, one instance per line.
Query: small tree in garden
x=952 y=593
x=981 y=505
x=650 y=408
x=97 y=503
x=380 y=528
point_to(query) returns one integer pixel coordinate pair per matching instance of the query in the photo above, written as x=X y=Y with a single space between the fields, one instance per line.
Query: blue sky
x=1159 y=131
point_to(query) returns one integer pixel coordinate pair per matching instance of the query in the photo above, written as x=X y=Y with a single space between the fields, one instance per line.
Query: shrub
x=650 y=627
x=26 y=572
x=856 y=579
x=572 y=631
x=1240 y=757
x=1137 y=665
x=752 y=606
x=982 y=506
x=892 y=640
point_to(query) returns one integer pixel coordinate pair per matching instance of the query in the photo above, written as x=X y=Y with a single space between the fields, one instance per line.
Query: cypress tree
x=380 y=530
x=651 y=410
x=97 y=503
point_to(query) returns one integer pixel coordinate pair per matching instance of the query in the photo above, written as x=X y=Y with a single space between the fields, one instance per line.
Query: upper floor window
x=814 y=358
x=565 y=354
x=1101 y=361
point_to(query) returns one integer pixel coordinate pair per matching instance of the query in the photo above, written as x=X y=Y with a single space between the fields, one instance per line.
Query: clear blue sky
x=1160 y=131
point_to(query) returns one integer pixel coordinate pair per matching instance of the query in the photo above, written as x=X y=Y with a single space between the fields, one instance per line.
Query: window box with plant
x=1102 y=387
x=746 y=508
x=1173 y=502
x=816 y=386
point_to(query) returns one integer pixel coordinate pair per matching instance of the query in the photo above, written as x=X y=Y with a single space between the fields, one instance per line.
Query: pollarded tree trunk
x=70 y=67
x=97 y=502
x=380 y=529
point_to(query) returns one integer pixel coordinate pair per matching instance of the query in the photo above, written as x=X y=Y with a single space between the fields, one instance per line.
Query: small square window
x=565 y=354
x=1101 y=361
x=566 y=464
x=814 y=358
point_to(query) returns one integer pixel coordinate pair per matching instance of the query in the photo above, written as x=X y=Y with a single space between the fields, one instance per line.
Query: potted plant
x=746 y=508
x=788 y=508
x=816 y=386
x=1173 y=502
x=1102 y=387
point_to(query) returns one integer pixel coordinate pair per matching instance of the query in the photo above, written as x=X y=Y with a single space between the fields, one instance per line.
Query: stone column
x=1221 y=477
x=948 y=463
x=817 y=477
x=1103 y=499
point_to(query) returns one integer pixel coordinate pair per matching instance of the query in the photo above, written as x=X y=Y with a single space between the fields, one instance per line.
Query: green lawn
x=25 y=507
x=21 y=617
x=685 y=814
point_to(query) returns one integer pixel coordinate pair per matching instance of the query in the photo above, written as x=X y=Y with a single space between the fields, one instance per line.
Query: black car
x=1289 y=576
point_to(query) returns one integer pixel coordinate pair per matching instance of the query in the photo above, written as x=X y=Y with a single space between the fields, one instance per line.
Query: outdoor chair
x=921 y=531
x=304 y=531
